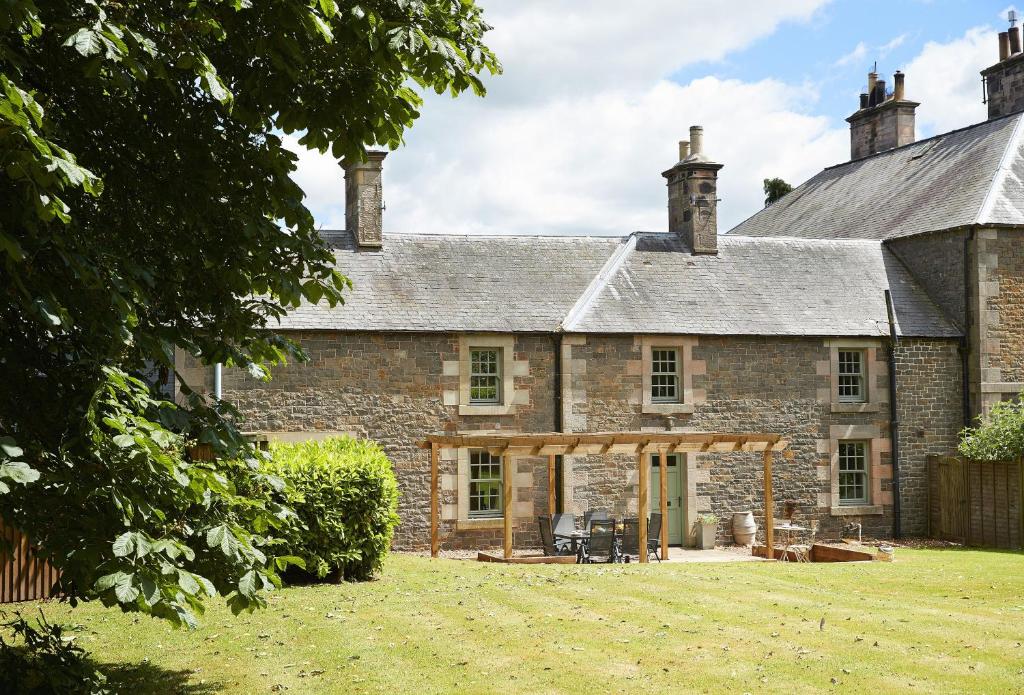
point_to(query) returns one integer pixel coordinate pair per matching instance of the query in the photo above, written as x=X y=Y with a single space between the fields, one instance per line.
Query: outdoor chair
x=629 y=542
x=547 y=538
x=564 y=524
x=654 y=536
x=593 y=515
x=601 y=546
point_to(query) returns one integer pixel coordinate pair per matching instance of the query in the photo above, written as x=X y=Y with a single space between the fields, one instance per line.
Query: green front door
x=674 y=480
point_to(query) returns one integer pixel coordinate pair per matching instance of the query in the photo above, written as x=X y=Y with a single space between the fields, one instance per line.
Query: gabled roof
x=760 y=286
x=970 y=176
x=642 y=283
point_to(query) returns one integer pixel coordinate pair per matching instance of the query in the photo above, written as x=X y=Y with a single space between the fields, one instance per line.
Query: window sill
x=856 y=407
x=487 y=409
x=469 y=524
x=667 y=408
x=857 y=510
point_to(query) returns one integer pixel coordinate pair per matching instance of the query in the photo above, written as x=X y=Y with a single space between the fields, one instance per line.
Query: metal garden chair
x=564 y=525
x=601 y=545
x=654 y=536
x=593 y=515
x=629 y=541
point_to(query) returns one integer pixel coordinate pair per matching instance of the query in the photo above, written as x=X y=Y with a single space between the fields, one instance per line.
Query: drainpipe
x=556 y=339
x=965 y=341
x=894 y=422
x=217 y=380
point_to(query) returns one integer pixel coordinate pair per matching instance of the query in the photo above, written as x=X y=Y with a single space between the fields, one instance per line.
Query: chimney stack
x=693 y=196
x=882 y=122
x=364 y=200
x=1004 y=81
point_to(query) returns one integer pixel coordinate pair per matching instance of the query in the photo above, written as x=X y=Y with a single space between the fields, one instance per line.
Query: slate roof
x=458 y=283
x=642 y=283
x=761 y=286
x=974 y=175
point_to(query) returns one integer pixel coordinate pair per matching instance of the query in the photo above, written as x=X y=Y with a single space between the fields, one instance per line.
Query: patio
x=640 y=444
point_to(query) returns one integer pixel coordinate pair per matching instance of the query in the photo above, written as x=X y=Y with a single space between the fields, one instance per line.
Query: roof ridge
x=1012 y=147
x=600 y=281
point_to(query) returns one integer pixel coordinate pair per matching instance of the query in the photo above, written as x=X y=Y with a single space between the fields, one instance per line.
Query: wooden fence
x=976 y=503
x=23 y=576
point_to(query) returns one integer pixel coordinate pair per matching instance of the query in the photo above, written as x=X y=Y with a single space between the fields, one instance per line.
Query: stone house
x=866 y=316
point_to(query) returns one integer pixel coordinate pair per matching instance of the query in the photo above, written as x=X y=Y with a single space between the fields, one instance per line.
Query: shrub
x=40 y=659
x=999 y=436
x=344 y=495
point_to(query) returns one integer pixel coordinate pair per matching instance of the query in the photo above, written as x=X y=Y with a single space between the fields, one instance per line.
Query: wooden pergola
x=640 y=444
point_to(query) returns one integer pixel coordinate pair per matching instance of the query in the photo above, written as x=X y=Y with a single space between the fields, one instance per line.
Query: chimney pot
x=1004 y=46
x=696 y=139
x=864 y=100
x=872 y=78
x=898 y=91
x=1014 y=40
x=684 y=149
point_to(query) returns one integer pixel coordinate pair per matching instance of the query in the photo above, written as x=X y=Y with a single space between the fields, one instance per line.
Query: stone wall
x=937 y=263
x=929 y=407
x=392 y=388
x=396 y=388
x=997 y=321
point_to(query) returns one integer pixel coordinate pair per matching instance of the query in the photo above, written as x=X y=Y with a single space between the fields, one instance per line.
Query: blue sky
x=573 y=137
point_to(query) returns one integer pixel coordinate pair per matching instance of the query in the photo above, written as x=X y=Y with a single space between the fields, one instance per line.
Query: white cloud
x=945 y=78
x=855 y=56
x=574 y=136
x=861 y=50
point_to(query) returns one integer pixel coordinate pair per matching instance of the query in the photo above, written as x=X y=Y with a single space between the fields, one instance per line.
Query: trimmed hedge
x=345 y=496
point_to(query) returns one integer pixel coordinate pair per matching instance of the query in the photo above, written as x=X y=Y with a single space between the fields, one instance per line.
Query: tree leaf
x=124 y=545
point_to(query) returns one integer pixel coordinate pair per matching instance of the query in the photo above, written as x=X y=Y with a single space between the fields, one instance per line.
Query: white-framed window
x=485 y=376
x=664 y=375
x=853 y=472
x=852 y=376
x=485 y=486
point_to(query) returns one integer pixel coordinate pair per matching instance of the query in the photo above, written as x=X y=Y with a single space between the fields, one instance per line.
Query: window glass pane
x=851 y=376
x=485 y=376
x=664 y=376
x=853 y=473
x=485 y=488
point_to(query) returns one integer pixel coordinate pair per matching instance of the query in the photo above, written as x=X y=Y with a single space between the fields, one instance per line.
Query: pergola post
x=641 y=462
x=663 y=488
x=769 y=506
x=551 y=484
x=506 y=507
x=435 y=543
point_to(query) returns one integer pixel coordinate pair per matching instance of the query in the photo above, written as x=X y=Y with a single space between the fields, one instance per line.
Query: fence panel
x=23 y=576
x=976 y=503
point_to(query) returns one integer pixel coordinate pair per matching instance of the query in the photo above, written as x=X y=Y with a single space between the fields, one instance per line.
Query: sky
x=573 y=136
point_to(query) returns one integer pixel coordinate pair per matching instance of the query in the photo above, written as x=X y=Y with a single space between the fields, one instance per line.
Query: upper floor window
x=484 y=485
x=852 y=376
x=664 y=375
x=485 y=376
x=853 y=472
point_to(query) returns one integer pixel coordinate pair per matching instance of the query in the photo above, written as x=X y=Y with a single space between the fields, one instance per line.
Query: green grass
x=934 y=621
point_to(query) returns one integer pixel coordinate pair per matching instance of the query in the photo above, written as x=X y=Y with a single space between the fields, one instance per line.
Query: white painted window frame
x=873 y=394
x=864 y=499
x=509 y=400
x=674 y=374
x=688 y=397
x=497 y=375
x=492 y=459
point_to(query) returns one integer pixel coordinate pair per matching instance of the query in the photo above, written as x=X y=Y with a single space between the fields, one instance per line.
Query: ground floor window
x=853 y=472
x=484 y=485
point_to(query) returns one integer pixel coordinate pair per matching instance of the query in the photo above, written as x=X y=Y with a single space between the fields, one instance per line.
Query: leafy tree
x=999 y=436
x=775 y=189
x=147 y=205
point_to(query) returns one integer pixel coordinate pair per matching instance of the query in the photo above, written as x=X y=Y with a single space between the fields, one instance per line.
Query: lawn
x=934 y=621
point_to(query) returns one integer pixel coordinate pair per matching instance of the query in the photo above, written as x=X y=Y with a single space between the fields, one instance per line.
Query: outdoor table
x=576 y=538
x=788 y=530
